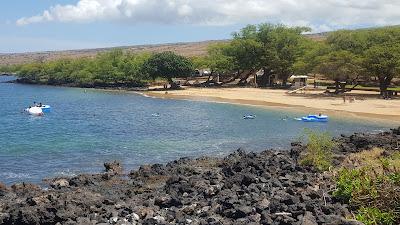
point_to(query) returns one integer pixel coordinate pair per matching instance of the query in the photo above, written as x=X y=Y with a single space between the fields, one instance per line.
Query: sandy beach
x=364 y=106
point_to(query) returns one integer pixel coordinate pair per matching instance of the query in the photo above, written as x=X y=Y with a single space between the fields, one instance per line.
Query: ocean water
x=88 y=127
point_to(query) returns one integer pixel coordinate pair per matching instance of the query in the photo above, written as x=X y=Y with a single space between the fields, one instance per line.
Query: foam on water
x=12 y=175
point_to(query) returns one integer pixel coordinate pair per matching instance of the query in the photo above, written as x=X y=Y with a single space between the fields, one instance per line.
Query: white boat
x=35 y=111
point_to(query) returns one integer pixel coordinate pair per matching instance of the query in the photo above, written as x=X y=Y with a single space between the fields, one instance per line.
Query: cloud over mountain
x=320 y=15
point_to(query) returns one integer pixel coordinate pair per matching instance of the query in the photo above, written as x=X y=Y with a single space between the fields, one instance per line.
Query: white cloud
x=321 y=15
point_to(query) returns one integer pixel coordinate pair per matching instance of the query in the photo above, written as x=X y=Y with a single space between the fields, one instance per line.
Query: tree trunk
x=285 y=79
x=315 y=80
x=172 y=84
x=343 y=87
x=337 y=86
x=284 y=82
x=233 y=78
x=209 y=78
x=265 y=80
x=383 y=85
x=255 y=80
x=352 y=88
x=243 y=80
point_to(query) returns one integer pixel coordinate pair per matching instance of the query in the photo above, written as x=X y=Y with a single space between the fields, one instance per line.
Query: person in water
x=40 y=104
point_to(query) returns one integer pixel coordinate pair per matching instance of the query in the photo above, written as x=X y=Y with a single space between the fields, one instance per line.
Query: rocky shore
x=269 y=187
x=125 y=87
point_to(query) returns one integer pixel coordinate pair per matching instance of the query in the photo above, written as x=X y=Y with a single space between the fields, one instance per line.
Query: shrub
x=319 y=150
x=373 y=188
x=351 y=182
x=374 y=216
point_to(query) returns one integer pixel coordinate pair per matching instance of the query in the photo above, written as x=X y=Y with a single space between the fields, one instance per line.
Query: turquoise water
x=87 y=128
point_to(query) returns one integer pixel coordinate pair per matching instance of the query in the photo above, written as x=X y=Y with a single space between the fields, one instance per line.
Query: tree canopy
x=109 y=69
x=340 y=66
x=378 y=49
x=273 y=48
x=383 y=62
x=276 y=50
x=168 y=65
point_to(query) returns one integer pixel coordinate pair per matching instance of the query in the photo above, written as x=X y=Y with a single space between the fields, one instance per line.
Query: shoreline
x=267 y=187
x=197 y=94
x=298 y=108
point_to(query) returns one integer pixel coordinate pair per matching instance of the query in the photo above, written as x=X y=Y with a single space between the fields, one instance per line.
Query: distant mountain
x=183 y=48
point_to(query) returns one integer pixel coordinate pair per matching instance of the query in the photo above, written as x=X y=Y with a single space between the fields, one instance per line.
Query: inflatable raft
x=315 y=118
x=249 y=117
x=35 y=111
x=46 y=108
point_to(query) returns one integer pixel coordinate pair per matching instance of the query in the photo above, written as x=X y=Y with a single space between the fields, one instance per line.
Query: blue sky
x=59 y=35
x=38 y=25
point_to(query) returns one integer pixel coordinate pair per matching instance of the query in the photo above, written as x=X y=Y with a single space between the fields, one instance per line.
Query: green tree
x=203 y=63
x=378 y=47
x=168 y=65
x=383 y=62
x=31 y=72
x=311 y=57
x=282 y=46
x=217 y=59
x=288 y=48
x=114 y=68
x=245 y=54
x=273 y=48
x=348 y=40
x=107 y=71
x=339 y=66
x=132 y=66
x=308 y=62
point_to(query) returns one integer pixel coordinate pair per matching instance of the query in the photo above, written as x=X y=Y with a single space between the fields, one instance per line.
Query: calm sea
x=88 y=127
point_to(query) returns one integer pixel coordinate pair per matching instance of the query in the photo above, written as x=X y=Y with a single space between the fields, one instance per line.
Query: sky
x=43 y=25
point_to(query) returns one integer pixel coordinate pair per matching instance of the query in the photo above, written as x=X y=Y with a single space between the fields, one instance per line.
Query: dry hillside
x=184 y=48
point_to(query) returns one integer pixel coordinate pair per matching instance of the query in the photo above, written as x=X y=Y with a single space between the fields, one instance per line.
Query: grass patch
x=375 y=161
x=319 y=150
x=372 y=186
x=374 y=216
